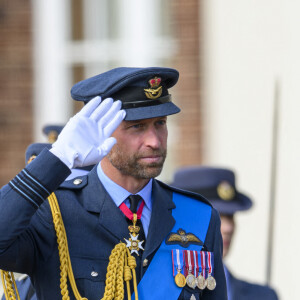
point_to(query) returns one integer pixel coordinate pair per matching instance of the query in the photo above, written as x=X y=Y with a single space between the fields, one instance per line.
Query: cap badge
x=155 y=90
x=32 y=157
x=225 y=191
x=182 y=238
x=52 y=136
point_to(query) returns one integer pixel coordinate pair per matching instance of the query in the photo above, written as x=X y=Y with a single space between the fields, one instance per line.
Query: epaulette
x=184 y=192
x=75 y=183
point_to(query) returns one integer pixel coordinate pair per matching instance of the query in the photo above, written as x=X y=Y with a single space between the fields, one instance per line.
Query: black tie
x=134 y=201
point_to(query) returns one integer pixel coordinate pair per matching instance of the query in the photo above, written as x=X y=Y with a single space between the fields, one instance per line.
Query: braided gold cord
x=62 y=254
x=119 y=295
x=9 y=285
x=132 y=266
x=127 y=277
x=119 y=269
x=110 y=283
x=15 y=285
x=69 y=267
x=63 y=250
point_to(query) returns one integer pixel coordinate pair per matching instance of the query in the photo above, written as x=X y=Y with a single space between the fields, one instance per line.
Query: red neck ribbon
x=128 y=213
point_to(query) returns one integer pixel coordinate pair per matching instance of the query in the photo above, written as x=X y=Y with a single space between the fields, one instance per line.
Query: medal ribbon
x=191 y=256
x=203 y=261
x=199 y=259
x=128 y=213
x=210 y=263
x=206 y=264
x=189 y=262
x=196 y=265
x=186 y=262
x=179 y=261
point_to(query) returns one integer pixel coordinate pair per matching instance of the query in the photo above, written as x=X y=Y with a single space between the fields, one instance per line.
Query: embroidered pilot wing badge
x=155 y=89
x=183 y=239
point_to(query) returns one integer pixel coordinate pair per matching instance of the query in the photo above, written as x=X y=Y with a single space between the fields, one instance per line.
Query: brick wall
x=186 y=29
x=15 y=85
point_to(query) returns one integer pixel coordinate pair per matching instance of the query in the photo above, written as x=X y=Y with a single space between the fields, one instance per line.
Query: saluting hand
x=86 y=138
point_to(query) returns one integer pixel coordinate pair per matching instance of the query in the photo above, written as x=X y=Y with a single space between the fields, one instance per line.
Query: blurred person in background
x=218 y=186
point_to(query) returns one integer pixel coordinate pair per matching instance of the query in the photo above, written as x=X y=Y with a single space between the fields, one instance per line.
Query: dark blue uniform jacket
x=94 y=225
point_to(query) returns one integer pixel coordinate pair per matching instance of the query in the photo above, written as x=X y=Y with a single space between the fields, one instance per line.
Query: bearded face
x=141 y=148
x=142 y=164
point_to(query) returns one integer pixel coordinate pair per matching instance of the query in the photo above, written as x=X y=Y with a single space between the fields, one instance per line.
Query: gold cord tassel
x=121 y=267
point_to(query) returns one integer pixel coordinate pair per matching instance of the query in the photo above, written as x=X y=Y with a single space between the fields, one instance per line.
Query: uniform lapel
x=96 y=199
x=161 y=221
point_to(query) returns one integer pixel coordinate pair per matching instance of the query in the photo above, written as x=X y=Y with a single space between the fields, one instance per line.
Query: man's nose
x=152 y=138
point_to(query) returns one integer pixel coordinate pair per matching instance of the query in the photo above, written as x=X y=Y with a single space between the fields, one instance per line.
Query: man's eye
x=161 y=122
x=136 y=126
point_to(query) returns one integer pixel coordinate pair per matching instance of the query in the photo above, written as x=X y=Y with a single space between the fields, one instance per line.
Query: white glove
x=85 y=140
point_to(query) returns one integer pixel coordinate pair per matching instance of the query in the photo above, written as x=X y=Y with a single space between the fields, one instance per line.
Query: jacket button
x=145 y=262
x=77 y=181
x=94 y=274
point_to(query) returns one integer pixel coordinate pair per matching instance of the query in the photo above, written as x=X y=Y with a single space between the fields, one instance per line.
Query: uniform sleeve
x=19 y=201
x=214 y=243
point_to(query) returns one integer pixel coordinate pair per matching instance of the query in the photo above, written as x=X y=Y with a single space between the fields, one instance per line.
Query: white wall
x=51 y=75
x=249 y=45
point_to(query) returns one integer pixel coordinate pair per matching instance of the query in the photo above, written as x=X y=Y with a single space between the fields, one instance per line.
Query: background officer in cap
x=52 y=132
x=33 y=150
x=218 y=186
x=127 y=140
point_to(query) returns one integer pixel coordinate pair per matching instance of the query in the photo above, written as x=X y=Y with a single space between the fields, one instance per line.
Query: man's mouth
x=151 y=158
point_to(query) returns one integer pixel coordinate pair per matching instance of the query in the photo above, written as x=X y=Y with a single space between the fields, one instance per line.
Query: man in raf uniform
x=218 y=186
x=118 y=208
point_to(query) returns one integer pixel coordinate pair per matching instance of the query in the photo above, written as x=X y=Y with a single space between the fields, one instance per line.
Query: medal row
x=193 y=268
